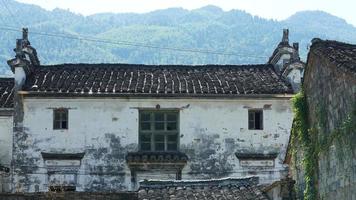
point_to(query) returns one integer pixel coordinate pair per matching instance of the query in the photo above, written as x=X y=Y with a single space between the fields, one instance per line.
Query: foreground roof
x=229 y=188
x=6 y=93
x=341 y=54
x=155 y=80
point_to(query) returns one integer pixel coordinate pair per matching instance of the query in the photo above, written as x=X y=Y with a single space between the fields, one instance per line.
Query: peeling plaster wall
x=211 y=132
x=295 y=76
x=283 y=58
x=6 y=124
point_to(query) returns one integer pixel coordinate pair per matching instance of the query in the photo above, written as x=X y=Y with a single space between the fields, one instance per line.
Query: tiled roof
x=230 y=188
x=6 y=92
x=342 y=54
x=155 y=80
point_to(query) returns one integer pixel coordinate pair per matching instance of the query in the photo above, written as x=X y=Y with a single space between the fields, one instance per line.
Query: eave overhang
x=154 y=95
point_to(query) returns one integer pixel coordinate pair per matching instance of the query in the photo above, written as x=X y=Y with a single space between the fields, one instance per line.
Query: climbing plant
x=300 y=132
x=313 y=140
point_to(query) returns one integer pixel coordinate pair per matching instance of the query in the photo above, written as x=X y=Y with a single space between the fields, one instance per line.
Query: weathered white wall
x=19 y=75
x=6 y=124
x=295 y=75
x=284 y=57
x=211 y=131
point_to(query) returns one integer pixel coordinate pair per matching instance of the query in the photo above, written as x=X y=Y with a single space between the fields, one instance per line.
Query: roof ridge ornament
x=285 y=38
x=26 y=55
x=25 y=59
x=25 y=33
x=25 y=40
x=295 y=55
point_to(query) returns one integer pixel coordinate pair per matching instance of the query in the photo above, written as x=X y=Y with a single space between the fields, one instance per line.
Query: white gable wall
x=295 y=75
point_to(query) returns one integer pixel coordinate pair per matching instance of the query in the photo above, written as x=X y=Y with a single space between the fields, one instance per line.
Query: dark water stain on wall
x=24 y=159
x=209 y=156
x=106 y=164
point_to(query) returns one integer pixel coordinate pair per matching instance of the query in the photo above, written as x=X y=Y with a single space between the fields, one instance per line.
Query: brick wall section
x=330 y=89
x=71 y=196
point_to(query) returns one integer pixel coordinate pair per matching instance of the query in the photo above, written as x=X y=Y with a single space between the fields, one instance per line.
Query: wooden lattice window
x=159 y=130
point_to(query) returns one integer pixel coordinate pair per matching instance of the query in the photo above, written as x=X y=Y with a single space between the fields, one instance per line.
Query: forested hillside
x=251 y=39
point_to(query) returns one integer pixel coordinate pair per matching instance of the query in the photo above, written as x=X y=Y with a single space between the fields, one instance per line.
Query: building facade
x=105 y=127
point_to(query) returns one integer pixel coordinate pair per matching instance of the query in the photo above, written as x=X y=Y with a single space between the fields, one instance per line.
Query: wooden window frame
x=252 y=112
x=63 y=117
x=153 y=133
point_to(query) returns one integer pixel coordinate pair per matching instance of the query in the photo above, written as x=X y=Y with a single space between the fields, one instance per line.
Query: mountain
x=209 y=28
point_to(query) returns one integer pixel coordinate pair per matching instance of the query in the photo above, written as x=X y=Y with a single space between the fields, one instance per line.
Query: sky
x=271 y=9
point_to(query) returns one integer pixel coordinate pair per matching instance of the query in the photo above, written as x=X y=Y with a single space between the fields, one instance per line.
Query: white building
x=104 y=127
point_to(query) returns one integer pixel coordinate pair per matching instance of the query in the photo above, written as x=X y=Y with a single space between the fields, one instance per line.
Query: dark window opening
x=158 y=130
x=60 y=118
x=62 y=188
x=255 y=119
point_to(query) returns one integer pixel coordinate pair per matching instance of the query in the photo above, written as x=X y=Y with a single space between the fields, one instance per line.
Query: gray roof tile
x=342 y=54
x=228 y=188
x=86 y=79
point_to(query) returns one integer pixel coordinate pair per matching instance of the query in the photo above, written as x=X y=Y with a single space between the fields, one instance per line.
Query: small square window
x=255 y=119
x=60 y=118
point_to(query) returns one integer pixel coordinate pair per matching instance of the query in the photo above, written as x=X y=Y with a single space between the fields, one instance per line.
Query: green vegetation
x=209 y=28
x=313 y=140
x=305 y=136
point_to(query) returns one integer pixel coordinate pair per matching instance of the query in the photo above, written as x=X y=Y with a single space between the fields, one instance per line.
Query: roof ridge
x=149 y=65
x=229 y=181
x=317 y=41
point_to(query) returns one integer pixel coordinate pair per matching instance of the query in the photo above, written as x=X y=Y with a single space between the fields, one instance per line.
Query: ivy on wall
x=313 y=140
x=300 y=132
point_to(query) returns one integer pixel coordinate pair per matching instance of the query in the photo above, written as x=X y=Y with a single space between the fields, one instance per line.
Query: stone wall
x=330 y=93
